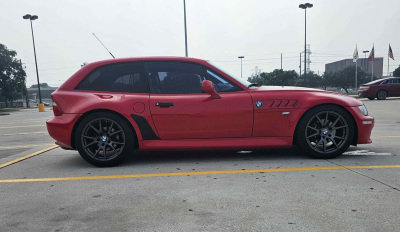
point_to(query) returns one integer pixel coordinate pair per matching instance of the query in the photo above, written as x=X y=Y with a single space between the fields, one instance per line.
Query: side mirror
x=208 y=87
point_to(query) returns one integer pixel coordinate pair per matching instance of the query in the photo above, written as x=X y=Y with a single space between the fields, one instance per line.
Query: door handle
x=164 y=104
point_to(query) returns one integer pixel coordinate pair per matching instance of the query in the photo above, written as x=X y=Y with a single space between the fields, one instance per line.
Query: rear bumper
x=60 y=128
x=365 y=124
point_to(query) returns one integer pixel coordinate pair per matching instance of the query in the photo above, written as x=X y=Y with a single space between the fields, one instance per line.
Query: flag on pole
x=355 y=55
x=371 y=55
x=390 y=53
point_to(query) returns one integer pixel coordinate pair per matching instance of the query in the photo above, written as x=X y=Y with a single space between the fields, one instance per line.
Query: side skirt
x=216 y=144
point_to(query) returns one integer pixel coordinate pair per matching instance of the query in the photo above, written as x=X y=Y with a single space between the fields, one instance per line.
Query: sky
x=217 y=30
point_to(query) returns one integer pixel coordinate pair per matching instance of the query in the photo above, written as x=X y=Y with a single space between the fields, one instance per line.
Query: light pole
x=31 y=18
x=241 y=57
x=365 y=61
x=305 y=6
x=184 y=14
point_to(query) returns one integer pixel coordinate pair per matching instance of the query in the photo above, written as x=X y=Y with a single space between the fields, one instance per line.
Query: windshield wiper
x=251 y=85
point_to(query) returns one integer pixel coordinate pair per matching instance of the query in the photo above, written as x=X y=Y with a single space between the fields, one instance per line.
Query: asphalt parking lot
x=274 y=190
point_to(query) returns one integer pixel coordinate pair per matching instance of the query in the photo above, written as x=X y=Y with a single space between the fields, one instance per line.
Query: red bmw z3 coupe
x=109 y=108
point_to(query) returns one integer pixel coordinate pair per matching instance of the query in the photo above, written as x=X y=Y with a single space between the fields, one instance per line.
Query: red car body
x=388 y=87
x=198 y=121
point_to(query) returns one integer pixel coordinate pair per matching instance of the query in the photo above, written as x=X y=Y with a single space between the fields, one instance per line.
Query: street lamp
x=31 y=18
x=305 y=6
x=241 y=57
x=365 y=61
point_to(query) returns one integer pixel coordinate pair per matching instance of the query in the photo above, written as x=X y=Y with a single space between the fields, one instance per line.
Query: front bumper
x=60 y=128
x=365 y=124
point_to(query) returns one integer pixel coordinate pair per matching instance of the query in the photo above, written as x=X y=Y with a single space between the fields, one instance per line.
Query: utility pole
x=300 y=65
x=241 y=73
x=281 y=60
x=184 y=13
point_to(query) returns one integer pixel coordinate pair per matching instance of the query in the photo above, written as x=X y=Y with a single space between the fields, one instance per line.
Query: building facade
x=362 y=63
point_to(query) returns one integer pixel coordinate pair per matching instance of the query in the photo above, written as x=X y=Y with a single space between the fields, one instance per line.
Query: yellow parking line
x=394 y=136
x=27 y=157
x=27 y=133
x=22 y=126
x=25 y=146
x=195 y=173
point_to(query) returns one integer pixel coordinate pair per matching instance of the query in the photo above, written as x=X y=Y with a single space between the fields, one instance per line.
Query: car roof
x=147 y=58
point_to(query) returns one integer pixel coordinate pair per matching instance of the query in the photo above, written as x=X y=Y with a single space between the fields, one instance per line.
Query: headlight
x=363 y=110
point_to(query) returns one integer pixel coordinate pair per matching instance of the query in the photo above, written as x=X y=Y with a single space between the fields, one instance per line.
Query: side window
x=396 y=81
x=220 y=83
x=385 y=82
x=123 y=77
x=174 y=77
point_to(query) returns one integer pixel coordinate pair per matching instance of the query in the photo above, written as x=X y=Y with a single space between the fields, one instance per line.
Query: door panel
x=193 y=116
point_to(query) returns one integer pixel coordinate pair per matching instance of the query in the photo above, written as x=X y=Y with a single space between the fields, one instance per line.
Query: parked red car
x=109 y=108
x=380 y=89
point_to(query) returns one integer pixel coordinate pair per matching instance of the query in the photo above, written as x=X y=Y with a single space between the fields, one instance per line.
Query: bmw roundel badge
x=258 y=104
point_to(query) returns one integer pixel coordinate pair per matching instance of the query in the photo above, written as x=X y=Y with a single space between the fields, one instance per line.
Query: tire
x=371 y=98
x=104 y=139
x=336 y=133
x=381 y=95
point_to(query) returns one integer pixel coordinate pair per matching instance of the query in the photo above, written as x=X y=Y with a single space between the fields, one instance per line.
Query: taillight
x=56 y=109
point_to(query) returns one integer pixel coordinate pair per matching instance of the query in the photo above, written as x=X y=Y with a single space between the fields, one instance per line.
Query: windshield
x=241 y=80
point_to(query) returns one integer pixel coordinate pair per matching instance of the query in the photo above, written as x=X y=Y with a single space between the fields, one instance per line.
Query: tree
x=42 y=85
x=12 y=75
x=346 y=78
x=396 y=72
x=277 y=77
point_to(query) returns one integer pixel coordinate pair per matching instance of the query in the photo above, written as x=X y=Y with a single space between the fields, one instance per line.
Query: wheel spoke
x=324 y=145
x=97 y=152
x=334 y=142
x=113 y=148
x=337 y=120
x=312 y=135
x=320 y=121
x=88 y=137
x=101 y=129
x=90 y=144
x=115 y=132
x=326 y=118
x=104 y=153
x=341 y=138
x=313 y=128
x=117 y=143
x=98 y=132
x=109 y=129
x=340 y=127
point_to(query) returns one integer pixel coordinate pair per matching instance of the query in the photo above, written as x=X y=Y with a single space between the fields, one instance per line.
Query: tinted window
x=394 y=81
x=175 y=77
x=123 y=77
x=220 y=83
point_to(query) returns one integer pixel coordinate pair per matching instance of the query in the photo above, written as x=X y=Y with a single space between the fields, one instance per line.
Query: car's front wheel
x=104 y=139
x=325 y=132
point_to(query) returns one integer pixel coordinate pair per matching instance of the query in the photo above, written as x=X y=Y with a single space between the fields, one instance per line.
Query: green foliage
x=346 y=78
x=12 y=75
x=42 y=85
x=396 y=72
x=277 y=77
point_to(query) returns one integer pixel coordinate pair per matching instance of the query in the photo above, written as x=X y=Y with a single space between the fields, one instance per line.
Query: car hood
x=307 y=97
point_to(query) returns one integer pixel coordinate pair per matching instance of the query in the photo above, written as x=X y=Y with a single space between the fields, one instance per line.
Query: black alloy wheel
x=381 y=95
x=104 y=139
x=325 y=132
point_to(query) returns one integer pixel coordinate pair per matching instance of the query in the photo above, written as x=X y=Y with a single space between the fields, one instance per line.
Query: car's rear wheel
x=104 y=139
x=381 y=95
x=325 y=132
x=371 y=98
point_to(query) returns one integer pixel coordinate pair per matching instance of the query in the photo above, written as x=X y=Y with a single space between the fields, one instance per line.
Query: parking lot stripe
x=196 y=173
x=27 y=156
x=25 y=146
x=27 y=133
x=22 y=126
